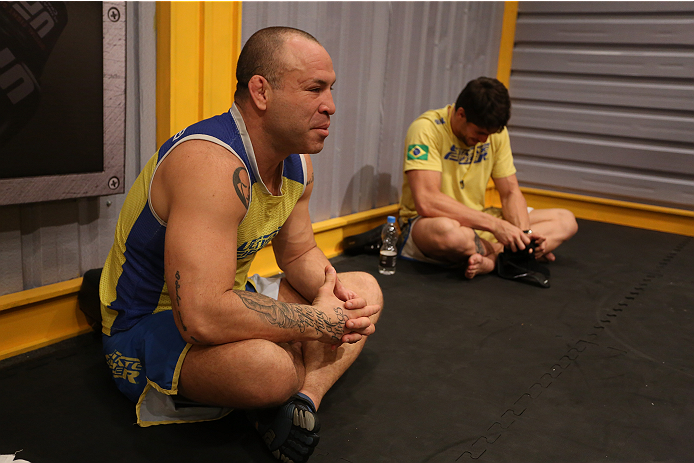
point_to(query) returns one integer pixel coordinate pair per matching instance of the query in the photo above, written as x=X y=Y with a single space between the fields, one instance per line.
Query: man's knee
x=364 y=284
x=444 y=238
x=568 y=223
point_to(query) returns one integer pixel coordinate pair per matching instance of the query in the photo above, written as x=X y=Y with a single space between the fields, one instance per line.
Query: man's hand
x=509 y=235
x=350 y=309
x=540 y=244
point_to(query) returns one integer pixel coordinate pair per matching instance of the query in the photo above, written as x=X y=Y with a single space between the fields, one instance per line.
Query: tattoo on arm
x=242 y=186
x=178 y=301
x=290 y=316
x=310 y=181
x=177 y=308
x=479 y=247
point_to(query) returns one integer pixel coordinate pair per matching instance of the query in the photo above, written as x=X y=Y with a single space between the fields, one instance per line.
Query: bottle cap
x=391 y=219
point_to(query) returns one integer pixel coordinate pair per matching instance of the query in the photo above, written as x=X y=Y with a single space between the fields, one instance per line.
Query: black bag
x=368 y=242
x=522 y=266
x=88 y=298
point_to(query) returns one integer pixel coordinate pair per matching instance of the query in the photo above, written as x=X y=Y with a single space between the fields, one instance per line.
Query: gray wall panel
x=603 y=90
x=619 y=184
x=394 y=60
x=642 y=30
x=10 y=250
x=602 y=151
x=601 y=61
x=607 y=7
x=603 y=99
x=602 y=120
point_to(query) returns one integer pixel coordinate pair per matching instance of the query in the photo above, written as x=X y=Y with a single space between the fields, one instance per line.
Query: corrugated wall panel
x=394 y=60
x=626 y=124
x=603 y=99
x=607 y=7
x=604 y=90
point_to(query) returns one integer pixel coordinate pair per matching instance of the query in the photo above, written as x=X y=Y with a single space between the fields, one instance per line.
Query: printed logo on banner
x=417 y=153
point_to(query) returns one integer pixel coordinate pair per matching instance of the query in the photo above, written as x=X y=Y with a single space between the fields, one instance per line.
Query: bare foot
x=477 y=264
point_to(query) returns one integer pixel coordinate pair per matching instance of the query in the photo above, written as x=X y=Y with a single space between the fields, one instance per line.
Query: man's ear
x=258 y=88
x=461 y=113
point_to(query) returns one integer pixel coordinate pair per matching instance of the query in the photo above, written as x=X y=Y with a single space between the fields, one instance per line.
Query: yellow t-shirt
x=465 y=170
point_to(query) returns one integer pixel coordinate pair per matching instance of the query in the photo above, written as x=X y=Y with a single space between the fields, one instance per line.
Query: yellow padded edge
x=42 y=316
x=669 y=220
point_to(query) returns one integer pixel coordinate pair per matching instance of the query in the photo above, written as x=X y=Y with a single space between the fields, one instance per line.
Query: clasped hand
x=515 y=239
x=334 y=298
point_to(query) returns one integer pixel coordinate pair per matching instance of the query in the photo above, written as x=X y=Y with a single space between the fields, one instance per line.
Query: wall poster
x=62 y=100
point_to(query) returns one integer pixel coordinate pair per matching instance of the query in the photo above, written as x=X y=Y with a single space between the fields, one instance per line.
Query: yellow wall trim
x=508 y=34
x=198 y=44
x=42 y=316
x=39 y=317
x=664 y=219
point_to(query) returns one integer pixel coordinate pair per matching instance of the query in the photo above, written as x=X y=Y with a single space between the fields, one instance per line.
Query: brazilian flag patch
x=417 y=153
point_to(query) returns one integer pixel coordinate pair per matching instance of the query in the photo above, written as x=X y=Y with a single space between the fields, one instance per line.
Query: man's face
x=298 y=112
x=467 y=132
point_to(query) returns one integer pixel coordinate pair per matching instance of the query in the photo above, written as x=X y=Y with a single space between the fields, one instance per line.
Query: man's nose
x=328 y=106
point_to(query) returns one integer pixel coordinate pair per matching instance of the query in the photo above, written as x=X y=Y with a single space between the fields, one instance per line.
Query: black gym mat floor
x=599 y=367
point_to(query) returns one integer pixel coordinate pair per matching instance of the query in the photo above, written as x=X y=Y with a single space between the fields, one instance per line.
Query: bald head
x=262 y=55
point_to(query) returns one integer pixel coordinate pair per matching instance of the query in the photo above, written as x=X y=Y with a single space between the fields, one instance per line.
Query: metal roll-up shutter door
x=603 y=100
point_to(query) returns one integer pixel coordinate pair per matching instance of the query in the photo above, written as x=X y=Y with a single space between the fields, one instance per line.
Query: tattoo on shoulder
x=291 y=316
x=242 y=185
x=310 y=181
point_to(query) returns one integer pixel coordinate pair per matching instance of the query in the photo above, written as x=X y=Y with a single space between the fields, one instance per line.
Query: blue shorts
x=146 y=361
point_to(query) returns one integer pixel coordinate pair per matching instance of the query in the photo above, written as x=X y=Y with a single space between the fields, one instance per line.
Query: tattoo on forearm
x=290 y=316
x=178 y=300
x=479 y=247
x=177 y=307
x=242 y=186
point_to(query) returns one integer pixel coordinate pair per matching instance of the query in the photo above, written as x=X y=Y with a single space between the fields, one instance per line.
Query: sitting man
x=187 y=333
x=450 y=154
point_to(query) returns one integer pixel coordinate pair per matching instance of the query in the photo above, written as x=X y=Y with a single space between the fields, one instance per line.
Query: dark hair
x=261 y=55
x=486 y=103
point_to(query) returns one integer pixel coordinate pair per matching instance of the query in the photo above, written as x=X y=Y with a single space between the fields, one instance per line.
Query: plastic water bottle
x=389 y=251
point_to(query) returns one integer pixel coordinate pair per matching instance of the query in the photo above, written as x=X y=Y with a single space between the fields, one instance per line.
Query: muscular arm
x=295 y=247
x=201 y=191
x=513 y=204
x=431 y=202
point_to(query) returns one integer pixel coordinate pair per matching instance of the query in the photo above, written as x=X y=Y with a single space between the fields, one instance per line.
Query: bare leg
x=323 y=364
x=446 y=240
x=257 y=373
x=557 y=225
x=236 y=374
